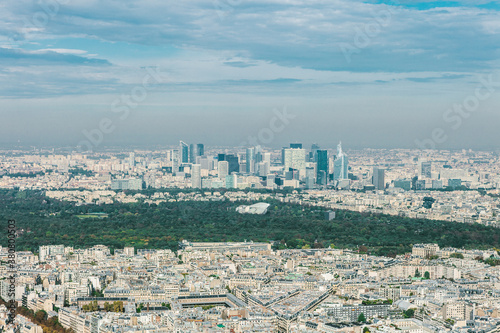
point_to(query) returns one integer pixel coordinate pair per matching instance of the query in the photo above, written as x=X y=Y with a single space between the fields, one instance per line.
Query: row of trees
x=377 y=302
x=49 y=325
x=93 y=306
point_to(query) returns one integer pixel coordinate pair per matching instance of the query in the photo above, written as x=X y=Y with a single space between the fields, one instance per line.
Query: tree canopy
x=42 y=221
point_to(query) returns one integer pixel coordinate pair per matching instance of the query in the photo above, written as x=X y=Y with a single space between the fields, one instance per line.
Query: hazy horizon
x=374 y=74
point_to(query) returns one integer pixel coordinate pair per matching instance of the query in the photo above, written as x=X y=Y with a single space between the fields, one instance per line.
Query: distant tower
x=340 y=167
x=131 y=159
x=425 y=169
x=378 y=178
x=310 y=176
x=223 y=169
x=175 y=156
x=294 y=158
x=196 y=176
x=184 y=151
x=312 y=153
x=266 y=157
x=322 y=167
x=200 y=149
x=192 y=153
x=251 y=160
x=264 y=169
x=233 y=163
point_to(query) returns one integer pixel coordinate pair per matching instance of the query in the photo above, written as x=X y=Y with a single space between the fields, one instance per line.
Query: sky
x=92 y=74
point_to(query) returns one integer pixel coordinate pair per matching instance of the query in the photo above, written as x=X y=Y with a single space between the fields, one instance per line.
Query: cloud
x=243 y=45
x=63 y=51
x=289 y=33
x=240 y=64
x=10 y=56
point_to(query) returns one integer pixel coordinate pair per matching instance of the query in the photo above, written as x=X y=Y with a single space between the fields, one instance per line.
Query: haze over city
x=381 y=74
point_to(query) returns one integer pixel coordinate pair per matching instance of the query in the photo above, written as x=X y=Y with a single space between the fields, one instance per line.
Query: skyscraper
x=322 y=167
x=296 y=145
x=262 y=159
x=378 y=178
x=233 y=163
x=192 y=153
x=195 y=151
x=196 y=176
x=294 y=158
x=175 y=156
x=200 y=149
x=223 y=169
x=310 y=176
x=131 y=159
x=266 y=157
x=425 y=169
x=184 y=151
x=264 y=169
x=340 y=168
x=205 y=163
x=250 y=167
x=312 y=153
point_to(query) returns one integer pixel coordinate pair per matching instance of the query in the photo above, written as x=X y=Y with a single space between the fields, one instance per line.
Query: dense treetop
x=46 y=221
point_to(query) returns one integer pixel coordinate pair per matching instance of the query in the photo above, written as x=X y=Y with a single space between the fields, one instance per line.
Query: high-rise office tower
x=175 y=156
x=221 y=157
x=196 y=176
x=340 y=168
x=131 y=159
x=264 y=169
x=223 y=169
x=192 y=153
x=250 y=158
x=233 y=163
x=184 y=151
x=205 y=163
x=322 y=166
x=312 y=153
x=200 y=149
x=294 y=159
x=296 y=145
x=425 y=169
x=258 y=154
x=266 y=157
x=378 y=178
x=310 y=176
x=196 y=151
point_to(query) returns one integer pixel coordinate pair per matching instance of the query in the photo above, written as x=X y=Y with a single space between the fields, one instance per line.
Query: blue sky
x=369 y=73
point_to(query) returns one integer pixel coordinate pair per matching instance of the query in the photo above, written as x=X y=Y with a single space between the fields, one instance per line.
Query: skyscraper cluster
x=296 y=167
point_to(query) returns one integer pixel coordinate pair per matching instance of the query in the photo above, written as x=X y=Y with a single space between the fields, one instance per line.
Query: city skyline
x=237 y=166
